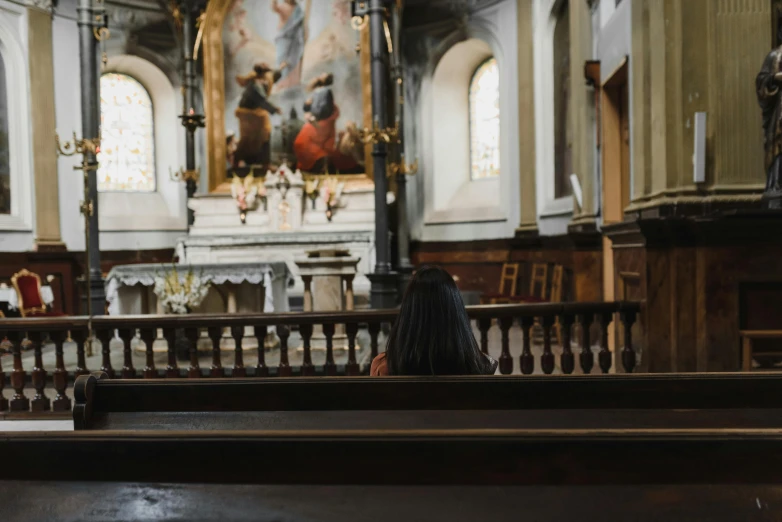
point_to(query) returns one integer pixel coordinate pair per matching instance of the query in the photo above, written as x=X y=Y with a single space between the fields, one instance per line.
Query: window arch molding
x=164 y=209
x=545 y=17
x=143 y=126
x=20 y=133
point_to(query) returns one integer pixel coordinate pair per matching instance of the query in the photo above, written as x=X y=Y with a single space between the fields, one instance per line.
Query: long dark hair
x=432 y=334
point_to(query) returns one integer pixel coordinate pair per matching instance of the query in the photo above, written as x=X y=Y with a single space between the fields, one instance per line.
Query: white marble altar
x=274 y=232
x=236 y=287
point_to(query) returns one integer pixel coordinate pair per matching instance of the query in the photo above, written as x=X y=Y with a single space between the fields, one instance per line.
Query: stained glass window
x=485 y=121
x=5 y=166
x=127 y=148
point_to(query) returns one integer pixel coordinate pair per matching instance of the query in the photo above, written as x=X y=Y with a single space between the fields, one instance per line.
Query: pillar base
x=384 y=290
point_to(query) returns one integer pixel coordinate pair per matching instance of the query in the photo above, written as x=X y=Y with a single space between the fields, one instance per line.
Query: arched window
x=127 y=149
x=563 y=144
x=485 y=121
x=5 y=164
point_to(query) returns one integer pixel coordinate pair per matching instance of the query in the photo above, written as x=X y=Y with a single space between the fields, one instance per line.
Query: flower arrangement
x=179 y=294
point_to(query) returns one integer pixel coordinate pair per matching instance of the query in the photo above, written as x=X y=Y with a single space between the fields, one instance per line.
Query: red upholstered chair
x=28 y=291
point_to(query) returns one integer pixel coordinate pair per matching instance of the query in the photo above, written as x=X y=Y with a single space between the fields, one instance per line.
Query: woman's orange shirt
x=379 y=366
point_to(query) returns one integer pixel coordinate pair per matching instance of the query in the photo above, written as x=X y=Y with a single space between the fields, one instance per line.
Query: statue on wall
x=768 y=83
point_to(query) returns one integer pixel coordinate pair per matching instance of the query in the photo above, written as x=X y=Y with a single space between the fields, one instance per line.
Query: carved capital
x=44 y=5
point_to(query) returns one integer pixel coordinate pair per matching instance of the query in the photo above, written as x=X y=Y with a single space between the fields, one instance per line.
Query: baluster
x=80 y=337
x=192 y=335
x=567 y=361
x=40 y=401
x=283 y=332
x=374 y=332
x=19 y=402
x=526 y=359
x=260 y=333
x=484 y=324
x=216 y=335
x=586 y=357
x=148 y=335
x=329 y=368
x=352 y=368
x=237 y=332
x=307 y=368
x=506 y=361
x=604 y=356
x=547 y=359
x=3 y=400
x=104 y=336
x=172 y=370
x=60 y=376
x=127 y=335
x=628 y=353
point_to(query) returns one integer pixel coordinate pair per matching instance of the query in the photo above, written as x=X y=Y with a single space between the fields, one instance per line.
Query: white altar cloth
x=274 y=278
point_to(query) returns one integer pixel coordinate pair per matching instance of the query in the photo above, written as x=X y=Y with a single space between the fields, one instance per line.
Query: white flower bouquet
x=180 y=293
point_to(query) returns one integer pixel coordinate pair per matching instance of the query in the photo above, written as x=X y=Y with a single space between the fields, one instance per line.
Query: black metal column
x=384 y=287
x=190 y=120
x=89 y=16
x=404 y=266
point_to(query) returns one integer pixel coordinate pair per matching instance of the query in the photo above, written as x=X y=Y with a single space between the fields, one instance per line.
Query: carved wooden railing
x=22 y=336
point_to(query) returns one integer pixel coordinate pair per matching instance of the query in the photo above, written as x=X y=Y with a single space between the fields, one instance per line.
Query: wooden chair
x=28 y=291
x=509 y=276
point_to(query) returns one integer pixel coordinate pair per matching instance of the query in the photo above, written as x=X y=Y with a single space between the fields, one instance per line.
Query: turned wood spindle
x=352 y=368
x=329 y=368
x=192 y=335
x=628 y=317
x=104 y=336
x=484 y=324
x=127 y=335
x=40 y=401
x=506 y=361
x=547 y=359
x=374 y=333
x=586 y=357
x=283 y=332
x=307 y=368
x=80 y=337
x=172 y=370
x=5 y=344
x=526 y=359
x=19 y=402
x=261 y=331
x=216 y=335
x=604 y=356
x=567 y=361
x=148 y=335
x=60 y=376
x=237 y=332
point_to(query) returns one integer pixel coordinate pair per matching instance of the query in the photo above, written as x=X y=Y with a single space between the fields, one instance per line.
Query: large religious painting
x=286 y=84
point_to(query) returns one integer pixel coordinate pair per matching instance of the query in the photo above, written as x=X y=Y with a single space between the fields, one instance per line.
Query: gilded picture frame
x=215 y=103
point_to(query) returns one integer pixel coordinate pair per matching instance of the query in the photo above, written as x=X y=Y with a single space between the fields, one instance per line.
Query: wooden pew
x=565 y=402
x=642 y=448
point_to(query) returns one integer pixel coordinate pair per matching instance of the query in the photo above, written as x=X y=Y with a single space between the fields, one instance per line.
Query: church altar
x=236 y=287
x=290 y=223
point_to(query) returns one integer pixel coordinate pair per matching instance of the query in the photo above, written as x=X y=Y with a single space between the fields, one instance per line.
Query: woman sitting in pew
x=432 y=334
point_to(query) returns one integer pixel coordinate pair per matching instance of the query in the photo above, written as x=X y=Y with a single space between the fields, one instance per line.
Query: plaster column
x=528 y=223
x=582 y=115
x=47 y=202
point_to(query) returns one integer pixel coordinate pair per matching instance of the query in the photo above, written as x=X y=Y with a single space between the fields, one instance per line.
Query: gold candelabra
x=378 y=135
x=77 y=146
x=185 y=175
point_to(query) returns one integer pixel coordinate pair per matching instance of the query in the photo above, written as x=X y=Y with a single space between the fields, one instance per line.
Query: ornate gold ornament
x=185 y=175
x=378 y=135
